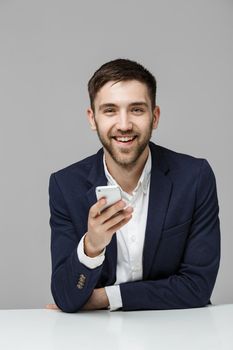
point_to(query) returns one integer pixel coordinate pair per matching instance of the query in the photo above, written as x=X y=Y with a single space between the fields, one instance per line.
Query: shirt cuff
x=89 y=262
x=114 y=297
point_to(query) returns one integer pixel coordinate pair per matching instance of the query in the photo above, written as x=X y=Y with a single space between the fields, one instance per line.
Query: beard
x=126 y=157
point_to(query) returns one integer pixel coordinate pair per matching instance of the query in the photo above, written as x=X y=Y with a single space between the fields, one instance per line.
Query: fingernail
x=128 y=207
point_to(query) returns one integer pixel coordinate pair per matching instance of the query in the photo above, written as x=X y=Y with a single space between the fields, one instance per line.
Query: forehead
x=122 y=92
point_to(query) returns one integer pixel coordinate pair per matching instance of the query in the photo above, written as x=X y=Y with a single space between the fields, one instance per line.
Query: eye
x=109 y=111
x=137 y=110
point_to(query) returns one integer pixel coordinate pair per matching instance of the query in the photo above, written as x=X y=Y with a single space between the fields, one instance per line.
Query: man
x=163 y=250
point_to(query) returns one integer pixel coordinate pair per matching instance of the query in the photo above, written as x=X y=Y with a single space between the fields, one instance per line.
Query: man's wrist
x=89 y=250
x=86 y=260
x=104 y=298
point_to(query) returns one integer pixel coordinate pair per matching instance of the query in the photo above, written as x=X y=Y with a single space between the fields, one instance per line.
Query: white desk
x=206 y=328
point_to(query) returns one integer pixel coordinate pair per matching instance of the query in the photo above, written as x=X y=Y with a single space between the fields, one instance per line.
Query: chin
x=127 y=160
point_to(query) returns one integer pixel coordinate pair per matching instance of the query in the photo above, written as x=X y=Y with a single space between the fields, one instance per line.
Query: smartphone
x=111 y=193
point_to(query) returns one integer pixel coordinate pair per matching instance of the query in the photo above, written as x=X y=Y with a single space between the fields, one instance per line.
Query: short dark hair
x=121 y=70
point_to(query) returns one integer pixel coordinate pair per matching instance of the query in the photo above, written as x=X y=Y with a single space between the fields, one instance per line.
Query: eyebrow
x=138 y=103
x=105 y=105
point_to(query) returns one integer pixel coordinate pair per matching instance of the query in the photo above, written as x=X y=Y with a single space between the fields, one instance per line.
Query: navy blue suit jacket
x=181 y=252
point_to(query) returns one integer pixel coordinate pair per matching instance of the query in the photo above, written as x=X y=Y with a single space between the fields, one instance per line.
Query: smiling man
x=158 y=247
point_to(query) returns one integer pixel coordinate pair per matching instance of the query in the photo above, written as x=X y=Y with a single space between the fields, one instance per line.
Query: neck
x=126 y=177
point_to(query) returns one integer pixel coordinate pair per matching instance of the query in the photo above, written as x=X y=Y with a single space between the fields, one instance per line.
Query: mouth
x=124 y=140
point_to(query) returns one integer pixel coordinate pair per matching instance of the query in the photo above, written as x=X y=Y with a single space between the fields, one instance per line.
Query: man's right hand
x=102 y=226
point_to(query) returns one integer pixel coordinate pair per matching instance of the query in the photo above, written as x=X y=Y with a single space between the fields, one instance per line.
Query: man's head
x=122 y=97
x=121 y=70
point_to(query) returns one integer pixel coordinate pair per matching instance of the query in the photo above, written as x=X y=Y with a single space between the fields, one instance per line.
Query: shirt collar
x=144 y=178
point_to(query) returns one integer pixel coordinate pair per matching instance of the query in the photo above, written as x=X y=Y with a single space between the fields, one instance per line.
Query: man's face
x=124 y=120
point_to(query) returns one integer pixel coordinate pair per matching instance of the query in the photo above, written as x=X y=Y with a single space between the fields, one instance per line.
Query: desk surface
x=202 y=328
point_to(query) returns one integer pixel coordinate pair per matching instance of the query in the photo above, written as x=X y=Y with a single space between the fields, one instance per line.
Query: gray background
x=48 y=51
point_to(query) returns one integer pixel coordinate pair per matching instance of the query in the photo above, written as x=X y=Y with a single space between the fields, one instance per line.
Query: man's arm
x=72 y=281
x=193 y=283
x=67 y=271
x=98 y=300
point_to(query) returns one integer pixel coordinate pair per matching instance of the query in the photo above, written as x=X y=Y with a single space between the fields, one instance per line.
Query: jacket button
x=79 y=285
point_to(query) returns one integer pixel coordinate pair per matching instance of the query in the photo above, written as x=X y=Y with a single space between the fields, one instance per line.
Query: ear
x=91 y=118
x=156 y=115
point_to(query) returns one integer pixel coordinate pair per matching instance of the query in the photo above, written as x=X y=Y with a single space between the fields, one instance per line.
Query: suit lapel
x=160 y=190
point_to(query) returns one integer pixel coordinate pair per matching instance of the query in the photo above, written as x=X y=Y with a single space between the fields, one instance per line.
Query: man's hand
x=102 y=226
x=98 y=300
x=52 y=307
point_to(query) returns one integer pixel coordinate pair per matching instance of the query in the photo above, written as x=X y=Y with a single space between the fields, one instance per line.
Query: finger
x=52 y=307
x=119 y=215
x=116 y=219
x=113 y=228
x=96 y=208
x=120 y=224
x=112 y=210
x=128 y=210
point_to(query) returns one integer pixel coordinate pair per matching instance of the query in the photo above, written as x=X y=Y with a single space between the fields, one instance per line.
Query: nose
x=124 y=122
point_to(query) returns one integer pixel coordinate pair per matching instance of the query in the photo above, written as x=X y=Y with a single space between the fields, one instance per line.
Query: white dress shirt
x=130 y=238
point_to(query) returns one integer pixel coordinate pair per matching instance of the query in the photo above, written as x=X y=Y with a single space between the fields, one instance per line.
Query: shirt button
x=133 y=238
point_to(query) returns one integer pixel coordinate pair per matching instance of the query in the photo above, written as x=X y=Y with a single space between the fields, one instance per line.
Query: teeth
x=124 y=139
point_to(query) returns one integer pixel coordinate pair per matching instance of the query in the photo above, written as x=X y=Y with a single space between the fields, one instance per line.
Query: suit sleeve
x=193 y=283
x=72 y=282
